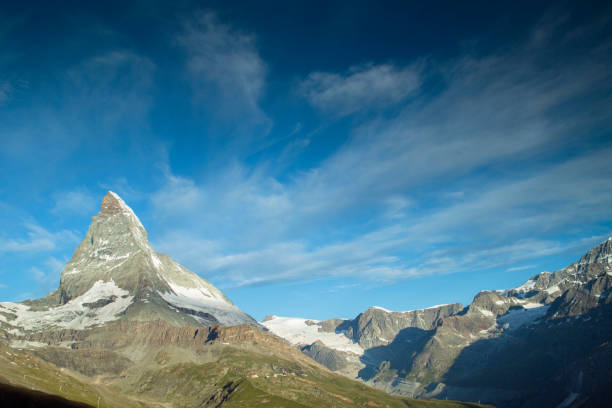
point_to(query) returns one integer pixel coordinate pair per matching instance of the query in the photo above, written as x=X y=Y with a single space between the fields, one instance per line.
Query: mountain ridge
x=115 y=273
x=440 y=359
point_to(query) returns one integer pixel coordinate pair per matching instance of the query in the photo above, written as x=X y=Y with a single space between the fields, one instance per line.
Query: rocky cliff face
x=115 y=273
x=379 y=327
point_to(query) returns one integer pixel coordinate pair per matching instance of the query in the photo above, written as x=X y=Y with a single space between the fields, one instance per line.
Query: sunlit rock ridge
x=115 y=273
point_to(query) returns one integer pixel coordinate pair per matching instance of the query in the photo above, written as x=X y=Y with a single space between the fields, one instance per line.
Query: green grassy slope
x=173 y=367
x=245 y=378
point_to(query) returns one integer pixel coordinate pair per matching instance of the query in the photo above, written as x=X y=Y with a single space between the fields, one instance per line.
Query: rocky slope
x=505 y=348
x=129 y=327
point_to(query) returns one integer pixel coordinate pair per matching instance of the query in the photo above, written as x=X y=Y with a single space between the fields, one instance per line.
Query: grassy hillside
x=234 y=377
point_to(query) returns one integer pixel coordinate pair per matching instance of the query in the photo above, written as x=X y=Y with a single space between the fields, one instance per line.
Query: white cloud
x=520 y=268
x=37 y=239
x=179 y=195
x=48 y=275
x=114 y=86
x=235 y=202
x=225 y=66
x=250 y=241
x=383 y=205
x=361 y=88
x=75 y=202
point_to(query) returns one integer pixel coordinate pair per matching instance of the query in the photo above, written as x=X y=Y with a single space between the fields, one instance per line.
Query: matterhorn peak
x=112 y=205
x=115 y=273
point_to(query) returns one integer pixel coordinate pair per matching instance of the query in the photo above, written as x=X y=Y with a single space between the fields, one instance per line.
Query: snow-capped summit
x=139 y=283
x=596 y=262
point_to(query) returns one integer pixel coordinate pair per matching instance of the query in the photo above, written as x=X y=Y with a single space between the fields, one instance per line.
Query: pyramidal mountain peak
x=115 y=274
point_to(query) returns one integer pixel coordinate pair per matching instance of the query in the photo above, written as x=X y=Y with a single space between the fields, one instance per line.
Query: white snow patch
x=156 y=262
x=410 y=311
x=296 y=331
x=200 y=299
x=199 y=293
x=520 y=317
x=531 y=305
x=552 y=289
x=72 y=271
x=526 y=287
x=485 y=312
x=435 y=306
x=110 y=258
x=195 y=300
x=74 y=314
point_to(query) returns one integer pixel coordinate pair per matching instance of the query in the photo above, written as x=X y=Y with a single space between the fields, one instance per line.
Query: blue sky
x=315 y=158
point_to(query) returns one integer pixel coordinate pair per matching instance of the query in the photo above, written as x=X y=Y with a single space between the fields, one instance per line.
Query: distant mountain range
x=129 y=327
x=546 y=343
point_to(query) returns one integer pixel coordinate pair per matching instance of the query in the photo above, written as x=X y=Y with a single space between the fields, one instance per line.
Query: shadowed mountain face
x=129 y=327
x=544 y=343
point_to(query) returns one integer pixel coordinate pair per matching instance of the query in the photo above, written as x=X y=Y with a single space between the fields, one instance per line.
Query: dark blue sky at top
x=310 y=158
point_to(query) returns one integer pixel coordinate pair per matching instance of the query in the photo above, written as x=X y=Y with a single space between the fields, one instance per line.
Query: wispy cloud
x=362 y=87
x=406 y=196
x=48 y=274
x=78 y=201
x=520 y=268
x=37 y=240
x=224 y=65
x=114 y=87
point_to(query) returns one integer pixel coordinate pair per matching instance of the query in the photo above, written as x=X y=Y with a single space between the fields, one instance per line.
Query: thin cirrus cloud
x=48 y=274
x=37 y=239
x=361 y=88
x=224 y=65
x=492 y=111
x=365 y=257
x=80 y=202
x=113 y=87
x=506 y=216
x=520 y=268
